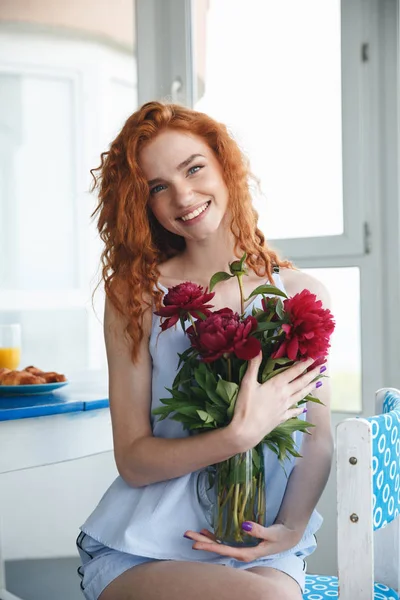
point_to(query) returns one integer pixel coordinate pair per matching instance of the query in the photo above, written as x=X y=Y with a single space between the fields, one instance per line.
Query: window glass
x=272 y=71
x=345 y=355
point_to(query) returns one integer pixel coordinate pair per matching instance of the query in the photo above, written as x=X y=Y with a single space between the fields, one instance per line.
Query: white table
x=47 y=440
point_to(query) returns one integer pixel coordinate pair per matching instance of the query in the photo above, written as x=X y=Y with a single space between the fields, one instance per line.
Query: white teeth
x=195 y=213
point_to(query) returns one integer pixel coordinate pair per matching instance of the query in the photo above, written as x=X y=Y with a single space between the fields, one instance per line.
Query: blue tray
x=72 y=398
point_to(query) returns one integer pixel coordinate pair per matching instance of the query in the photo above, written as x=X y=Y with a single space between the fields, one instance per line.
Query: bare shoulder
x=295 y=280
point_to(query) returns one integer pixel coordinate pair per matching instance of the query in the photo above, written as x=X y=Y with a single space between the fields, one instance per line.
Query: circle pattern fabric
x=386 y=461
x=324 y=587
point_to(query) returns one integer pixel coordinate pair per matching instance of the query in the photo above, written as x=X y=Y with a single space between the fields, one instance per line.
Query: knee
x=272 y=590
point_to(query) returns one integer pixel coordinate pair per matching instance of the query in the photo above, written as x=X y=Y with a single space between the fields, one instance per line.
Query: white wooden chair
x=368 y=507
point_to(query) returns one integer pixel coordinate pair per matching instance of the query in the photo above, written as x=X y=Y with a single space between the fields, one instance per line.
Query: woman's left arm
x=310 y=473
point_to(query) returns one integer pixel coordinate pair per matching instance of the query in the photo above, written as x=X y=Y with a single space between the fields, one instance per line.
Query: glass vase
x=236 y=488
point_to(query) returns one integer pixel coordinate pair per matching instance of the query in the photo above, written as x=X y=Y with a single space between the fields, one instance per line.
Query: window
x=68 y=82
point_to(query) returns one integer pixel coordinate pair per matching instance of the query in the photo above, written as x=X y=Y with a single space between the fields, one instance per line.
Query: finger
x=294 y=398
x=294 y=371
x=294 y=412
x=199 y=537
x=242 y=554
x=301 y=382
x=208 y=534
x=255 y=529
x=254 y=365
x=246 y=555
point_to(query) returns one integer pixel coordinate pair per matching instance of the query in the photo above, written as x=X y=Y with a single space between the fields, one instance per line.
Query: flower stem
x=235 y=511
x=244 y=502
x=193 y=323
x=239 y=278
x=228 y=360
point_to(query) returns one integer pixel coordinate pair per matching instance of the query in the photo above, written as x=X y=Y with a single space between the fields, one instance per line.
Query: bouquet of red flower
x=210 y=371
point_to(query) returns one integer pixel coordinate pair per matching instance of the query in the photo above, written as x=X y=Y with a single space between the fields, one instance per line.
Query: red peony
x=222 y=332
x=183 y=299
x=269 y=306
x=308 y=329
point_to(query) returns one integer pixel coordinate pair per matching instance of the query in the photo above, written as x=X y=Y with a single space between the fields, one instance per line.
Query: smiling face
x=188 y=195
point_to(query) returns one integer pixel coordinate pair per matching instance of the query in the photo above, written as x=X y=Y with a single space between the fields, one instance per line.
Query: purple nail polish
x=247 y=526
x=322 y=369
x=318 y=384
x=187 y=537
x=305 y=410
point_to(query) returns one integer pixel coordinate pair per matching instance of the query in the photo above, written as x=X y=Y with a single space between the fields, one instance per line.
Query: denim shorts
x=101 y=565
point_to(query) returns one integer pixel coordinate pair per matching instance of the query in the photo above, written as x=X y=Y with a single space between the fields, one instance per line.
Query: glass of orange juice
x=10 y=346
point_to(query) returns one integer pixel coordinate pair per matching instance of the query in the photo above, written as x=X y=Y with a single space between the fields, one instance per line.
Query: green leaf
x=283 y=361
x=162 y=411
x=200 y=377
x=271 y=375
x=231 y=408
x=219 y=416
x=266 y=325
x=204 y=416
x=190 y=411
x=203 y=426
x=242 y=371
x=216 y=399
x=256 y=458
x=279 y=309
x=227 y=390
x=211 y=382
x=178 y=395
x=217 y=277
x=199 y=393
x=292 y=425
x=200 y=315
x=265 y=288
x=311 y=398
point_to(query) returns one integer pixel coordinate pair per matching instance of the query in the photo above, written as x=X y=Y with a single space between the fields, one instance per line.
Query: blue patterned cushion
x=386 y=461
x=323 y=587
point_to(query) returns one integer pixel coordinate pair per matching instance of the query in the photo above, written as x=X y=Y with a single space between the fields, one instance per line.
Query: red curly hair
x=134 y=242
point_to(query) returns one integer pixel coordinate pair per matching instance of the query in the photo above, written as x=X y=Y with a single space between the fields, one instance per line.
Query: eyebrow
x=181 y=166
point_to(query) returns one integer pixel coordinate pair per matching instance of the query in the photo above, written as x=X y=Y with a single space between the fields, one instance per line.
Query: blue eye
x=156 y=189
x=191 y=172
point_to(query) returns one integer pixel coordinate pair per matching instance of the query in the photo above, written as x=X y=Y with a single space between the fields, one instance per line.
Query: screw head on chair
x=354 y=518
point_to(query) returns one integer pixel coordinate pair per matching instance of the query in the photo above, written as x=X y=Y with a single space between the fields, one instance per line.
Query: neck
x=206 y=257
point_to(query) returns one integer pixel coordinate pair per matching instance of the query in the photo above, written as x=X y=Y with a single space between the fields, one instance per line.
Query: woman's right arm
x=140 y=457
x=143 y=459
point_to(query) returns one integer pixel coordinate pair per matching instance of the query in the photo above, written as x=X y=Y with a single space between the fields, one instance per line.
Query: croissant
x=49 y=376
x=3 y=372
x=20 y=378
x=33 y=370
x=52 y=377
x=30 y=375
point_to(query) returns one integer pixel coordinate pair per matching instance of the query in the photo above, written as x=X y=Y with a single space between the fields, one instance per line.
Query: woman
x=175 y=206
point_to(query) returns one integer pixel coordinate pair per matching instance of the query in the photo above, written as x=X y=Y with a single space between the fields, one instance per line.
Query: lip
x=192 y=209
x=197 y=219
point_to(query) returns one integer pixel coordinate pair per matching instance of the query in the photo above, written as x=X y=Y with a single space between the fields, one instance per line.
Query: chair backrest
x=368 y=499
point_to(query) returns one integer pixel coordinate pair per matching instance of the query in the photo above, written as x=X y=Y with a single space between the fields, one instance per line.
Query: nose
x=183 y=193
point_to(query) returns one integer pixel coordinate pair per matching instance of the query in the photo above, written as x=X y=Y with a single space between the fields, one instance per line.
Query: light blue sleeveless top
x=150 y=521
